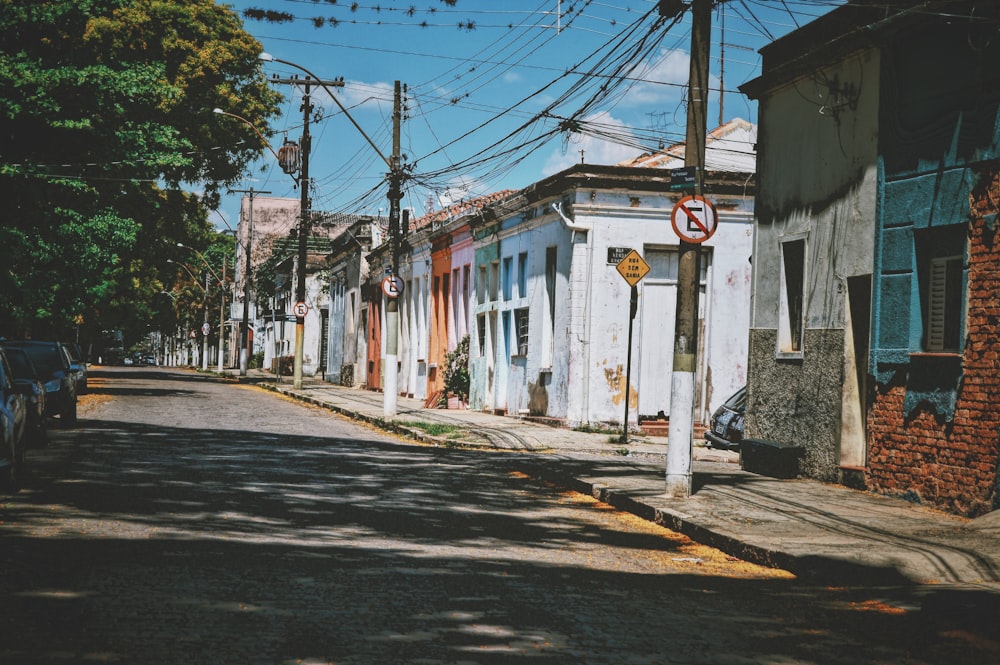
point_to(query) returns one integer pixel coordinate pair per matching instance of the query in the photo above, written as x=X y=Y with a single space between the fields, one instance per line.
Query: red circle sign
x=392 y=286
x=300 y=309
x=694 y=219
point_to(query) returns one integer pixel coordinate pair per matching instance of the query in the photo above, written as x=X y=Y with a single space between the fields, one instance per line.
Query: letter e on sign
x=632 y=268
x=392 y=286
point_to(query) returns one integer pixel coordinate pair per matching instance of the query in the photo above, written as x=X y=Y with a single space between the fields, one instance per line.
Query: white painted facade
x=574 y=364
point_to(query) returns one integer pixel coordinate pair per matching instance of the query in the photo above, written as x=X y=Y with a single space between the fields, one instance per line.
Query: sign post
x=632 y=268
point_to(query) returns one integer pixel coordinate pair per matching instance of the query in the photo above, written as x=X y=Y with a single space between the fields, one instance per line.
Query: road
x=188 y=520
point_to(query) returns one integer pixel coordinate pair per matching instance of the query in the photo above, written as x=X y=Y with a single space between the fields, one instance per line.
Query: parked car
x=726 y=430
x=25 y=374
x=78 y=366
x=54 y=368
x=13 y=415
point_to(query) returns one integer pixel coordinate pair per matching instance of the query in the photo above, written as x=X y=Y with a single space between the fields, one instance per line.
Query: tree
x=105 y=112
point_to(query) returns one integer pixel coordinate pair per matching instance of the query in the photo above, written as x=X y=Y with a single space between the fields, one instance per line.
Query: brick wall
x=952 y=465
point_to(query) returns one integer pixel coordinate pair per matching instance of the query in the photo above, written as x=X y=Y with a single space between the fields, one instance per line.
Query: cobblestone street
x=193 y=521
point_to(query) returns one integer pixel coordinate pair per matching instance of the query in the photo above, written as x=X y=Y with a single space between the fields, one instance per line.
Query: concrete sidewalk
x=815 y=530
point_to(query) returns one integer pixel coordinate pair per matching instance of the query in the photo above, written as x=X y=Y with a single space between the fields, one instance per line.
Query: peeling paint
x=615 y=376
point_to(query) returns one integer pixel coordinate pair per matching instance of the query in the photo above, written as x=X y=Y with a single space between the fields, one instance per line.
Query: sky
x=495 y=95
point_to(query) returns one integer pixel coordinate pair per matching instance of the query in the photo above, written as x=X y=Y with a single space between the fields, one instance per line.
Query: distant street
x=188 y=520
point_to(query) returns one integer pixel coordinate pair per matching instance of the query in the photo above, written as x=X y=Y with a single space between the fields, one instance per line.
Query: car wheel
x=10 y=480
x=41 y=435
x=68 y=415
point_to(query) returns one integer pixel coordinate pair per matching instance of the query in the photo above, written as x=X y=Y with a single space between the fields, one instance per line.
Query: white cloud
x=595 y=150
x=663 y=80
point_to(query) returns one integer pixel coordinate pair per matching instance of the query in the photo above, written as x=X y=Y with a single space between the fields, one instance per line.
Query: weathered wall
x=918 y=451
x=799 y=402
x=818 y=177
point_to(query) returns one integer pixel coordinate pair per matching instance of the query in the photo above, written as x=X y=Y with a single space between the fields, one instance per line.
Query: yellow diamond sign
x=632 y=268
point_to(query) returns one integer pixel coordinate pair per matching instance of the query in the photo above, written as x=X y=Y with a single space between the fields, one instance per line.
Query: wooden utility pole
x=245 y=325
x=305 y=144
x=390 y=389
x=680 y=444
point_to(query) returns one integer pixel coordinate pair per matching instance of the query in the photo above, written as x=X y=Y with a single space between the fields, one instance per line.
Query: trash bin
x=770 y=458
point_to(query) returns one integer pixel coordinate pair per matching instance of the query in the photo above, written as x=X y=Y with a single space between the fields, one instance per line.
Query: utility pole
x=205 y=328
x=222 y=313
x=390 y=390
x=680 y=441
x=305 y=143
x=245 y=325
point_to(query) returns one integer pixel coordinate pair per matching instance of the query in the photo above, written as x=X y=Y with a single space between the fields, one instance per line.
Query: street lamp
x=222 y=304
x=300 y=288
x=263 y=139
x=168 y=349
x=205 y=326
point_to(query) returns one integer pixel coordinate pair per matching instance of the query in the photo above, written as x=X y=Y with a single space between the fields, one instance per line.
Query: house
x=269 y=227
x=531 y=277
x=876 y=310
x=348 y=320
x=277 y=323
x=436 y=268
x=263 y=221
x=551 y=312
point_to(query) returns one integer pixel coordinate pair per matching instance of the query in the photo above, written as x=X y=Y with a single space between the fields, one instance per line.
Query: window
x=522 y=275
x=494 y=280
x=481 y=333
x=941 y=279
x=521 y=324
x=481 y=285
x=548 y=330
x=508 y=264
x=791 y=323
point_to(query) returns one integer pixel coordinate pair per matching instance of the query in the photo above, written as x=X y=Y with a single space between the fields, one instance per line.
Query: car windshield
x=45 y=358
x=738 y=401
x=20 y=364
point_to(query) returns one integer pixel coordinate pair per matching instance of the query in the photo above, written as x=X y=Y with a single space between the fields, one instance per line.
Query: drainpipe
x=576 y=227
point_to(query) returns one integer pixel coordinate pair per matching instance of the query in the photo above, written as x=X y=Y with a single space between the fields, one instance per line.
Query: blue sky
x=497 y=95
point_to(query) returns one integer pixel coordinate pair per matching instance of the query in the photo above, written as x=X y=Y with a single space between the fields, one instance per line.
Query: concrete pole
x=204 y=328
x=680 y=442
x=305 y=144
x=245 y=324
x=390 y=389
x=222 y=314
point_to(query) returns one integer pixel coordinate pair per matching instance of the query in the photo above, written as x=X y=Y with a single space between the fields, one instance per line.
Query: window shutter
x=936 y=301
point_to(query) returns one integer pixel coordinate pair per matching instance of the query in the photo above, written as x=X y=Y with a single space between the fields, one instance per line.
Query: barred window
x=521 y=324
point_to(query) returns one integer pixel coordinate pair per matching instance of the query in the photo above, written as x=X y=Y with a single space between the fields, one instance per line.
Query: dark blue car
x=55 y=370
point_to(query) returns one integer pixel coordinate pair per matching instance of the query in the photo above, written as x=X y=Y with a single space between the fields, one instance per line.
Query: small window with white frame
x=791 y=323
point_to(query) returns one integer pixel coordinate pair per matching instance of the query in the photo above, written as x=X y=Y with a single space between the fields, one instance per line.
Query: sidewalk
x=812 y=529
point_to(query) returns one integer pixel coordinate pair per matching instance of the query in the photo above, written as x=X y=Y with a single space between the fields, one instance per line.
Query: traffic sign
x=205 y=328
x=392 y=286
x=300 y=309
x=632 y=268
x=694 y=219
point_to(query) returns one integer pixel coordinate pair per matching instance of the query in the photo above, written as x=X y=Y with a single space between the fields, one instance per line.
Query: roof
x=460 y=209
x=844 y=30
x=729 y=147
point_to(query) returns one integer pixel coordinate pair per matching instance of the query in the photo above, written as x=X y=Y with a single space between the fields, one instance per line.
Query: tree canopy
x=105 y=115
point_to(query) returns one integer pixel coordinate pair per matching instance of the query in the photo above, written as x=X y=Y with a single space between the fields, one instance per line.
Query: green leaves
x=105 y=111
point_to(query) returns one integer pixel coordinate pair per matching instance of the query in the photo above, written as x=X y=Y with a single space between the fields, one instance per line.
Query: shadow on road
x=169 y=545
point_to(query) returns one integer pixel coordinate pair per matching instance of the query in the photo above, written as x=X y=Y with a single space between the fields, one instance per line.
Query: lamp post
x=245 y=325
x=222 y=304
x=395 y=194
x=168 y=357
x=205 y=326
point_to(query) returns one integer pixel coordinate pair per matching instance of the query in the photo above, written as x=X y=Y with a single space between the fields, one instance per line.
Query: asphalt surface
x=188 y=519
x=815 y=530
